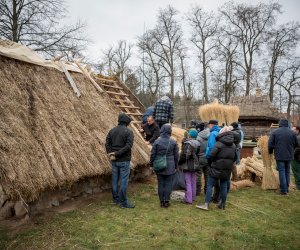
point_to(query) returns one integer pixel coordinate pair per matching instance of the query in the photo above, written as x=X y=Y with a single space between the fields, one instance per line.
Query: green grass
x=254 y=219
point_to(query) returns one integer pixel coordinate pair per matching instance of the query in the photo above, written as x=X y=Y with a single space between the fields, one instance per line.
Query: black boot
x=167 y=204
x=221 y=206
x=162 y=204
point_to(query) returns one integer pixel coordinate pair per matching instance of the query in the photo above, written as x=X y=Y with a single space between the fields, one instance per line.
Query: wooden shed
x=257 y=114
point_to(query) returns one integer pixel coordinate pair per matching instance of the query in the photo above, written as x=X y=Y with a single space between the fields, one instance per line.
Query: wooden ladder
x=124 y=100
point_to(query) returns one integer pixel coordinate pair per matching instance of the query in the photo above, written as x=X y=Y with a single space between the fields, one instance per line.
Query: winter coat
x=237 y=137
x=297 y=150
x=189 y=156
x=152 y=131
x=159 y=148
x=214 y=131
x=223 y=156
x=202 y=138
x=283 y=142
x=164 y=110
x=120 y=140
x=149 y=112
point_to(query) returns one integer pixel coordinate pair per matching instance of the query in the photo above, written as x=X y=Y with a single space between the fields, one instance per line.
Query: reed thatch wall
x=50 y=138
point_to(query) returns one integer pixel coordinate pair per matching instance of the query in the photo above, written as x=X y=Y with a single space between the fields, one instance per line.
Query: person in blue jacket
x=283 y=142
x=214 y=132
x=148 y=112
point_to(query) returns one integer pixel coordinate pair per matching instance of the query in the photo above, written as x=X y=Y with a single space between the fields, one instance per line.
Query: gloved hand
x=112 y=156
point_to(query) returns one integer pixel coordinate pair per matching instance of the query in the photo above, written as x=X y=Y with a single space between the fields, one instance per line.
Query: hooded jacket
x=202 y=138
x=164 y=145
x=120 y=139
x=189 y=156
x=223 y=156
x=297 y=150
x=164 y=110
x=283 y=142
x=214 y=131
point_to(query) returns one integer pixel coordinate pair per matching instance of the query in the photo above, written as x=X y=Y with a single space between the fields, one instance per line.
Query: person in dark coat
x=151 y=130
x=164 y=145
x=148 y=112
x=189 y=163
x=296 y=162
x=163 y=111
x=283 y=142
x=118 y=145
x=237 y=137
x=223 y=156
x=202 y=138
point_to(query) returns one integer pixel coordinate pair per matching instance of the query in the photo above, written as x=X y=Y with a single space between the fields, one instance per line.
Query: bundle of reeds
x=270 y=180
x=223 y=113
x=234 y=185
x=178 y=134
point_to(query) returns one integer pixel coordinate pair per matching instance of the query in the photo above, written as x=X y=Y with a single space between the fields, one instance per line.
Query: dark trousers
x=160 y=123
x=120 y=174
x=204 y=171
x=296 y=171
x=222 y=189
x=165 y=183
x=283 y=168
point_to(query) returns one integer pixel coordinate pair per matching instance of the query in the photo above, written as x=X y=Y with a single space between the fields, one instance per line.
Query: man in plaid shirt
x=163 y=111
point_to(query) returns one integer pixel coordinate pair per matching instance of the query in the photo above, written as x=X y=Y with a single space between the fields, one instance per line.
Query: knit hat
x=215 y=122
x=226 y=129
x=234 y=125
x=124 y=119
x=193 y=133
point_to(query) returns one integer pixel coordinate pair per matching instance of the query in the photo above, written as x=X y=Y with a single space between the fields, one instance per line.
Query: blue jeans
x=238 y=156
x=165 y=183
x=211 y=182
x=283 y=168
x=120 y=173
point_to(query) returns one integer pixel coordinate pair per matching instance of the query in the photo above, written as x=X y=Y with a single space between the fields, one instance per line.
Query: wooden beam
x=139 y=114
x=116 y=93
x=70 y=79
x=130 y=107
x=96 y=85
x=111 y=86
x=104 y=80
x=117 y=100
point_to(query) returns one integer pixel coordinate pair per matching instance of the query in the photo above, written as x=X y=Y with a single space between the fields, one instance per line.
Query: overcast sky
x=112 y=20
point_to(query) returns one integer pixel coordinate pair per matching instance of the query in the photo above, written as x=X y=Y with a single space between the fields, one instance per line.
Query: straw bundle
x=269 y=180
x=223 y=113
x=178 y=134
x=234 y=185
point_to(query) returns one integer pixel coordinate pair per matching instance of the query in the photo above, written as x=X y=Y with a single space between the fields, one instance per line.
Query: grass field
x=254 y=219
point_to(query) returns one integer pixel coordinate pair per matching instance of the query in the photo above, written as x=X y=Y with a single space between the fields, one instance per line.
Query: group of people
x=209 y=150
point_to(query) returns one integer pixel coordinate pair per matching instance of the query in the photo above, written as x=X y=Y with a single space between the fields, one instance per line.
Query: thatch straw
x=223 y=113
x=178 y=134
x=241 y=184
x=269 y=180
x=47 y=134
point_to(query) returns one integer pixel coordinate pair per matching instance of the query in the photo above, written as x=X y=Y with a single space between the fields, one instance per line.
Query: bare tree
x=116 y=57
x=248 y=23
x=290 y=82
x=205 y=28
x=228 y=55
x=281 y=41
x=186 y=84
x=36 y=23
x=151 y=67
x=168 y=35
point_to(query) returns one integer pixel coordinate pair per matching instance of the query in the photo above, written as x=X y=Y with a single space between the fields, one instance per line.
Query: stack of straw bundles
x=270 y=180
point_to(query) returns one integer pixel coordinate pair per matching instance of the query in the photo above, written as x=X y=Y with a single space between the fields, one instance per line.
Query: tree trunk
x=248 y=75
x=14 y=22
x=204 y=79
x=288 y=111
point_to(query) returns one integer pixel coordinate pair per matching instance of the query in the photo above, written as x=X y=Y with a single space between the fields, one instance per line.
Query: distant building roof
x=255 y=107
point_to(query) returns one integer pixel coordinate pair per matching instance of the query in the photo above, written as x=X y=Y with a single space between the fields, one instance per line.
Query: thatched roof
x=48 y=136
x=255 y=107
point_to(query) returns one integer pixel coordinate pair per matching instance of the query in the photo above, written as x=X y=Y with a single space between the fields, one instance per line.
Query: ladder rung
x=130 y=107
x=134 y=114
x=136 y=122
x=116 y=93
x=105 y=80
x=117 y=100
x=111 y=86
